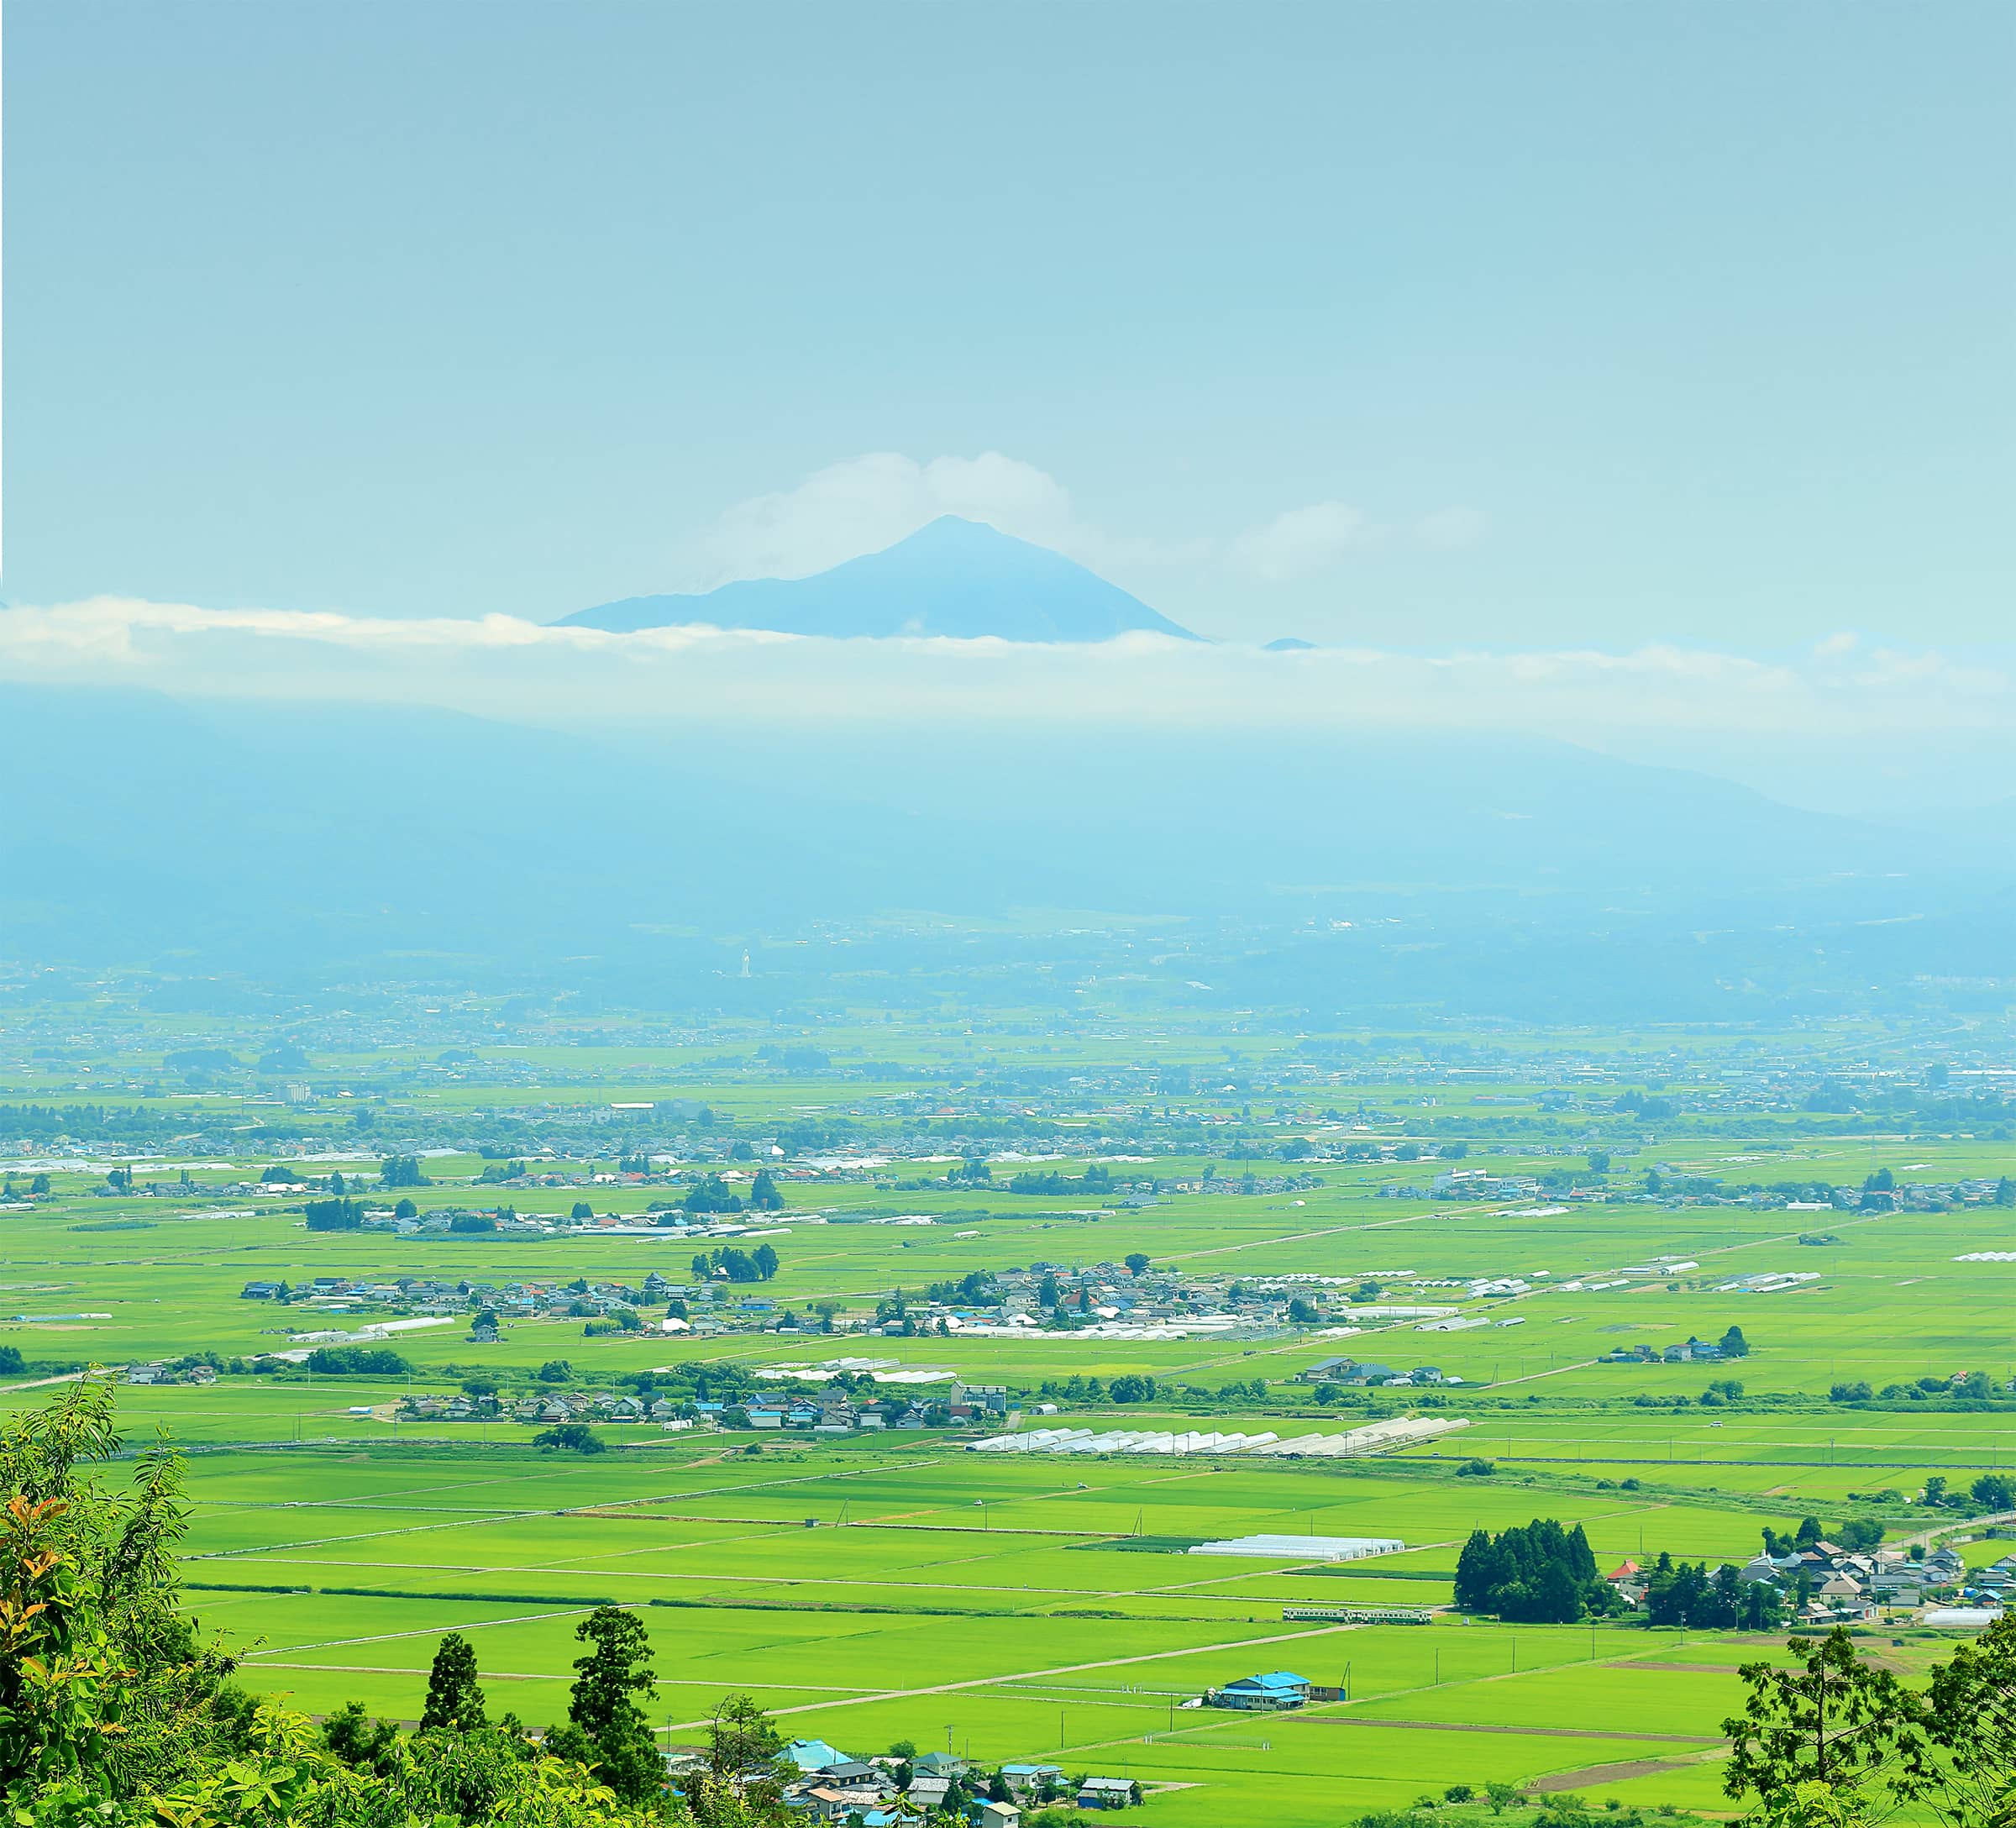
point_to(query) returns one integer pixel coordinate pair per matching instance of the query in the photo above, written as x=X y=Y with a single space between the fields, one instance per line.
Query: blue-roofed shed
x=1277 y=1689
x=811 y=1755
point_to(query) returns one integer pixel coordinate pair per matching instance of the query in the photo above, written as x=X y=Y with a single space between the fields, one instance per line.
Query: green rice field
x=870 y=1588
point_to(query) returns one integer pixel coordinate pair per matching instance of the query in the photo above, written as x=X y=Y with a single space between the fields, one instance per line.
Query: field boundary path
x=1524 y=1732
x=1035 y=1675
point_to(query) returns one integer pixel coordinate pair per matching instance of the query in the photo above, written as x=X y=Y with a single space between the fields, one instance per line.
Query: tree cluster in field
x=713 y=1195
x=1096 y=1182
x=336 y=1215
x=1538 y=1574
x=572 y=1436
x=1078 y=1390
x=758 y=1265
x=1719 y=1393
x=976 y=1288
x=89 y=1123
x=1975 y=1390
x=599 y=1326
x=710 y=1195
x=1989 y=1492
x=358 y=1362
x=1932 y=1104
x=1857 y=1535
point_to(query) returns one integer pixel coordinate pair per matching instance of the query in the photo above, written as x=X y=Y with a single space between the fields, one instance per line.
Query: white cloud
x=500 y=665
x=1300 y=543
x=1305 y=542
x=1822 y=729
x=871 y=501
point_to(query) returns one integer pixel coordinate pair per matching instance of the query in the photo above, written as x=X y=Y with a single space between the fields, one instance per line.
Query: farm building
x=1025 y=1779
x=1278 y=1689
x=1327 y=1370
x=1303 y=1548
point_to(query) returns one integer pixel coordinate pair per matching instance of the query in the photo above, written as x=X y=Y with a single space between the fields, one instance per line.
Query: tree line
x=1539 y=1574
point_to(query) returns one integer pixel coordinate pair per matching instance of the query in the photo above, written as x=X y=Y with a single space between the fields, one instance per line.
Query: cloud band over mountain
x=1841 y=706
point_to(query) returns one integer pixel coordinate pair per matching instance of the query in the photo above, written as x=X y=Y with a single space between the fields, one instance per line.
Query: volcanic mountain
x=954 y=577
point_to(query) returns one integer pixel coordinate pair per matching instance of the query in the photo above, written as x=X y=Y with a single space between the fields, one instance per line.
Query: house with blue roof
x=1277 y=1689
x=1025 y=1779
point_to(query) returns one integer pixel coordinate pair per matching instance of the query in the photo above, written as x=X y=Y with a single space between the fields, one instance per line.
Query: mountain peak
x=952 y=528
x=953 y=577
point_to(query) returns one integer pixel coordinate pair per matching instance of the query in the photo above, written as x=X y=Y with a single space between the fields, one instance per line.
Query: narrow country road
x=1031 y=1675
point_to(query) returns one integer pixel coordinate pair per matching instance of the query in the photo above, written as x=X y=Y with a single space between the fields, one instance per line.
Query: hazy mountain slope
x=954 y=577
x=1483 y=876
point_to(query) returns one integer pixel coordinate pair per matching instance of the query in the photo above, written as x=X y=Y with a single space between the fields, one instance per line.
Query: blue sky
x=1522 y=324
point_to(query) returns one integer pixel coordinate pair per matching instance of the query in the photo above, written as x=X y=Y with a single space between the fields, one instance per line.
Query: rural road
x=1032 y=1675
x=1924 y=1537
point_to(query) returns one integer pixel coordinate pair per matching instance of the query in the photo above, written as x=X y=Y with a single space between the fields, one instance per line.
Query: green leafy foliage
x=1832 y=1720
x=113 y=1714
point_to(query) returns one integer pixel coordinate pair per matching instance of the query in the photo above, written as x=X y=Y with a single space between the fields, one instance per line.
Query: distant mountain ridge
x=956 y=578
x=148 y=829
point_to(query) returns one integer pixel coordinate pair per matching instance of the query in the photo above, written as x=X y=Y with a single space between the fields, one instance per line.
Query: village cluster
x=888 y=1790
x=707 y=1299
x=828 y=1411
x=885 y=1791
x=1820 y=1582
